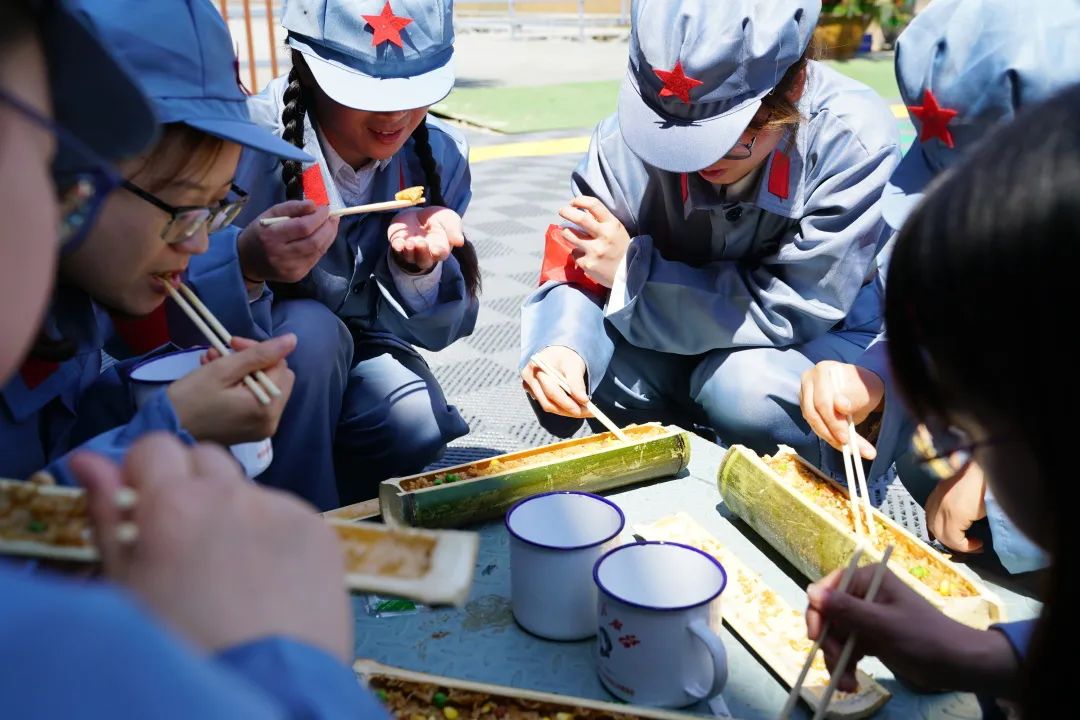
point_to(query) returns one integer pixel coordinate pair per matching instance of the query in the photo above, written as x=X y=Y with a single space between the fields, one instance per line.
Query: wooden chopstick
x=215 y=341
x=853 y=491
x=796 y=689
x=860 y=474
x=849 y=646
x=226 y=338
x=604 y=419
x=355 y=210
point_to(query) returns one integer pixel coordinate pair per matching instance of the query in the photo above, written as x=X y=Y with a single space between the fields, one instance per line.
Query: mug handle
x=713 y=644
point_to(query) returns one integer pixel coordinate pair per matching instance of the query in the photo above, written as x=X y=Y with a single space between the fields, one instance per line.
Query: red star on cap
x=677 y=83
x=387 y=26
x=935 y=119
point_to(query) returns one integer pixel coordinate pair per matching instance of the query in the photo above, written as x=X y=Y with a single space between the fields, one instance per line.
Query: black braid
x=292 y=171
x=466 y=255
x=292 y=117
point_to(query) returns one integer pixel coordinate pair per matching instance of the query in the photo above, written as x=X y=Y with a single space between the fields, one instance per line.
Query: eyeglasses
x=742 y=151
x=83 y=181
x=947 y=451
x=186 y=220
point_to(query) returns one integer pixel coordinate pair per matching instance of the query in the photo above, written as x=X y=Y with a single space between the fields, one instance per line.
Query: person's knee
x=324 y=346
x=750 y=397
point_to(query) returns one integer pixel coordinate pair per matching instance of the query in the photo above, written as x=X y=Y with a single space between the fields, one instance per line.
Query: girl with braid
x=364 y=73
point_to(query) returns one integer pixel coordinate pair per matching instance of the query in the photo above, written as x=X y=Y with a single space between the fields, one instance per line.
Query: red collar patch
x=677 y=83
x=935 y=119
x=387 y=26
x=780 y=175
x=314 y=188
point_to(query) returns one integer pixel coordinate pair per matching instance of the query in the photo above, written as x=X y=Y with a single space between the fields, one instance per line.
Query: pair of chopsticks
x=558 y=378
x=208 y=325
x=849 y=645
x=856 y=482
x=405 y=199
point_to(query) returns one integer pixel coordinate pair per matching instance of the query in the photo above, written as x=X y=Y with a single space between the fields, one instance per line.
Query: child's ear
x=797 y=87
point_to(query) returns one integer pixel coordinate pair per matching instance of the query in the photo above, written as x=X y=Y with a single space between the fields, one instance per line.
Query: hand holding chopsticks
x=565 y=385
x=849 y=645
x=218 y=337
x=822 y=704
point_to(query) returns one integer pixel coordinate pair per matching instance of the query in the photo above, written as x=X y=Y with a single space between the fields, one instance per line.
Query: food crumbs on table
x=439 y=699
x=450 y=713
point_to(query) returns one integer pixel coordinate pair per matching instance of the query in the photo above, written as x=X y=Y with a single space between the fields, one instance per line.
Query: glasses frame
x=950 y=463
x=216 y=217
x=748 y=147
x=80 y=192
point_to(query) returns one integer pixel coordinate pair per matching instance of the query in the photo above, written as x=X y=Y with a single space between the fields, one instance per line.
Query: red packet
x=559 y=262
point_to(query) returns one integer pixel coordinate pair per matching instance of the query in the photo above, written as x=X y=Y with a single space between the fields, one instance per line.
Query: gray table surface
x=481 y=642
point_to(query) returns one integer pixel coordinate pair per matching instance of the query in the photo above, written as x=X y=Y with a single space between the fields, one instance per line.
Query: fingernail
x=125 y=498
x=817 y=595
x=127 y=533
x=843 y=402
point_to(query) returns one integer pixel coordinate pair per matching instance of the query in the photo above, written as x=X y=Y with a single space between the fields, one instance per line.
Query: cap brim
x=360 y=91
x=86 y=79
x=905 y=188
x=677 y=145
x=249 y=135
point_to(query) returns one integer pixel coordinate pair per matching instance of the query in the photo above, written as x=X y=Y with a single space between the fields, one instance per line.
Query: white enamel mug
x=555 y=540
x=152 y=375
x=659 y=620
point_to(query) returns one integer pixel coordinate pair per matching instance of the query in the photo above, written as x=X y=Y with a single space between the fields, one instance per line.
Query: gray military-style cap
x=699 y=69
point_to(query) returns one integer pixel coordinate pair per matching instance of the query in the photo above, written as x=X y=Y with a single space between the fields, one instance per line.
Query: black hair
x=19 y=20
x=466 y=254
x=297 y=101
x=981 y=291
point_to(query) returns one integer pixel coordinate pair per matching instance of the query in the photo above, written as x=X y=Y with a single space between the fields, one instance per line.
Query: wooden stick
x=604 y=419
x=849 y=646
x=354 y=210
x=226 y=338
x=853 y=491
x=215 y=342
x=856 y=459
x=376 y=207
x=796 y=689
x=357 y=511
